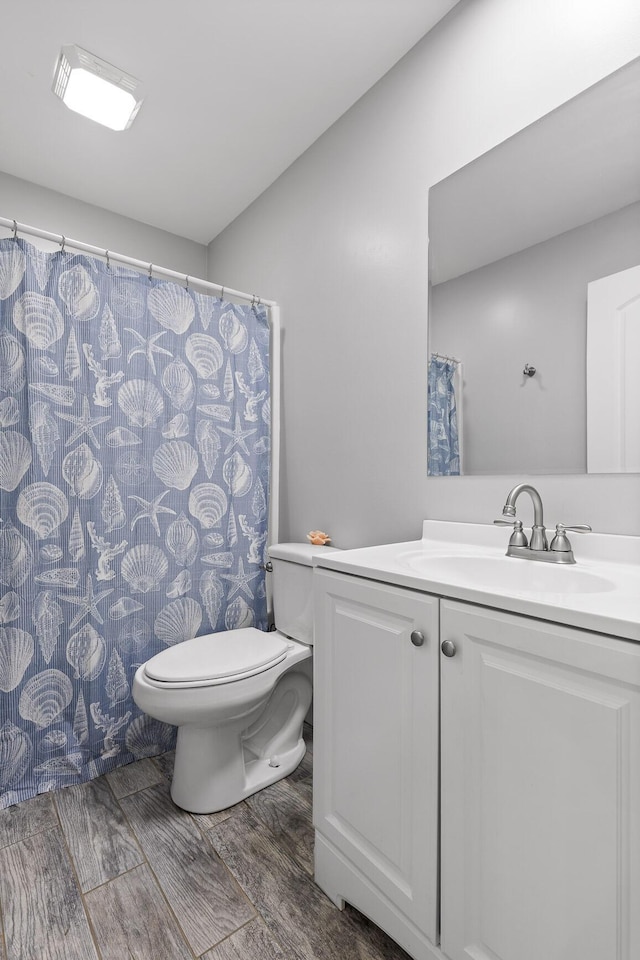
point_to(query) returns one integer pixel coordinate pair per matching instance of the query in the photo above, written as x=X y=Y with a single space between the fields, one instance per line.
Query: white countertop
x=609 y=565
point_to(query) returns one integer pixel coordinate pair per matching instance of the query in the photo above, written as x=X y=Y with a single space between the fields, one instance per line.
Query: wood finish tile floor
x=112 y=870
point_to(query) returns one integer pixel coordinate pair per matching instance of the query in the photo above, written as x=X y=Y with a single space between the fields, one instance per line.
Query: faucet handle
x=560 y=543
x=518 y=537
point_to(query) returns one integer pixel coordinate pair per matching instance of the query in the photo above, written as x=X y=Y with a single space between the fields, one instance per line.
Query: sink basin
x=506 y=574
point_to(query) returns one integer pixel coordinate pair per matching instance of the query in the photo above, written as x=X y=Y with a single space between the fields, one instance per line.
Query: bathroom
x=339 y=240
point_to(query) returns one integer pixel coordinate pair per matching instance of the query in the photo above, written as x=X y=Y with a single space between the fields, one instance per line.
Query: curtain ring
x=62 y=243
x=253 y=299
x=222 y=293
x=106 y=253
x=150 y=271
x=186 y=286
x=15 y=230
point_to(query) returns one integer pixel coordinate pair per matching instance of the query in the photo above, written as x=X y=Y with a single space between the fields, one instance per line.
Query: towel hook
x=529 y=371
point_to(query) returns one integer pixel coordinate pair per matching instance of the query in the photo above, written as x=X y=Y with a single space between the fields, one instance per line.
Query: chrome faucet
x=538 y=547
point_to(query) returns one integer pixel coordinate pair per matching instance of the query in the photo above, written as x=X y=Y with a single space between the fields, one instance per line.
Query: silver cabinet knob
x=448 y=648
x=417 y=638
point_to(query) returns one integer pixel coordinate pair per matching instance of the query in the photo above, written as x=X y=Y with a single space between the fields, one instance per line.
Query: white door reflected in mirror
x=613 y=384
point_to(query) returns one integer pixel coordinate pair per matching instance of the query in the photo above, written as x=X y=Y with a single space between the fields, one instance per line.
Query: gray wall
x=340 y=240
x=530 y=307
x=39 y=207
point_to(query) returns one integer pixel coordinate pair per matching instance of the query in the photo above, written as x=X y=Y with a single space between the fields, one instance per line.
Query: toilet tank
x=292 y=580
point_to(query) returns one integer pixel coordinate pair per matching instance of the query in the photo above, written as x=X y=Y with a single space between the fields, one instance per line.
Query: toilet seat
x=217 y=658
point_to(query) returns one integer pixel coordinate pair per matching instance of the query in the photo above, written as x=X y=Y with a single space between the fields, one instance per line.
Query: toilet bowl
x=239 y=697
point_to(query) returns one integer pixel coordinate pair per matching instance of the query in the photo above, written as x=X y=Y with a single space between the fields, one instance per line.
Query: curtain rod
x=443 y=356
x=130 y=261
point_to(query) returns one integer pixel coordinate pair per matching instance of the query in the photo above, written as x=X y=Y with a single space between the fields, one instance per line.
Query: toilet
x=239 y=697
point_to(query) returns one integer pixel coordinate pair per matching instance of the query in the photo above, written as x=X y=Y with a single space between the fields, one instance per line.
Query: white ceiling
x=236 y=90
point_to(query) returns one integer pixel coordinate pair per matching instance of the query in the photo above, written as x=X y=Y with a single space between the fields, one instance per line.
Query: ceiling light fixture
x=96 y=89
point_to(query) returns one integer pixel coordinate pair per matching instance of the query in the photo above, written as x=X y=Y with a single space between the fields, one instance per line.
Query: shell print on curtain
x=134 y=466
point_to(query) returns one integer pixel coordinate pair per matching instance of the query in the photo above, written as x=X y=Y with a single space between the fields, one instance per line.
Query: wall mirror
x=534 y=296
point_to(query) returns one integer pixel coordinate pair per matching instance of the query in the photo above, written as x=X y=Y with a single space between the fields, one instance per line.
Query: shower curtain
x=442 y=421
x=134 y=468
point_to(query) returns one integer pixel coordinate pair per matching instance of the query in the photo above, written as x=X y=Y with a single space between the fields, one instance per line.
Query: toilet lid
x=231 y=655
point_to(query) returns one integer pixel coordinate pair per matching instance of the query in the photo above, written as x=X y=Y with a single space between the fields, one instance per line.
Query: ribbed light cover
x=96 y=89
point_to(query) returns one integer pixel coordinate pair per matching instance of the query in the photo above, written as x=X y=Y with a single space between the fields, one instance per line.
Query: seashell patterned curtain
x=134 y=466
x=442 y=420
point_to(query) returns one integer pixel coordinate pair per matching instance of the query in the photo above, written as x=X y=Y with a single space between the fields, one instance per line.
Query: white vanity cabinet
x=376 y=752
x=537 y=856
x=540 y=741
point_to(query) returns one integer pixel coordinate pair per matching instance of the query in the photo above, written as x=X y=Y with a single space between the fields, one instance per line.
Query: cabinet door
x=540 y=790
x=376 y=736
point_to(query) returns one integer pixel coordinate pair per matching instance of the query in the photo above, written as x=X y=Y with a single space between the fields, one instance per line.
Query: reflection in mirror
x=520 y=241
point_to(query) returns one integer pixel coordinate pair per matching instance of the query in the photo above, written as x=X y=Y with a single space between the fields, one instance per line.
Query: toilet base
x=219 y=766
x=259 y=773
x=263 y=771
